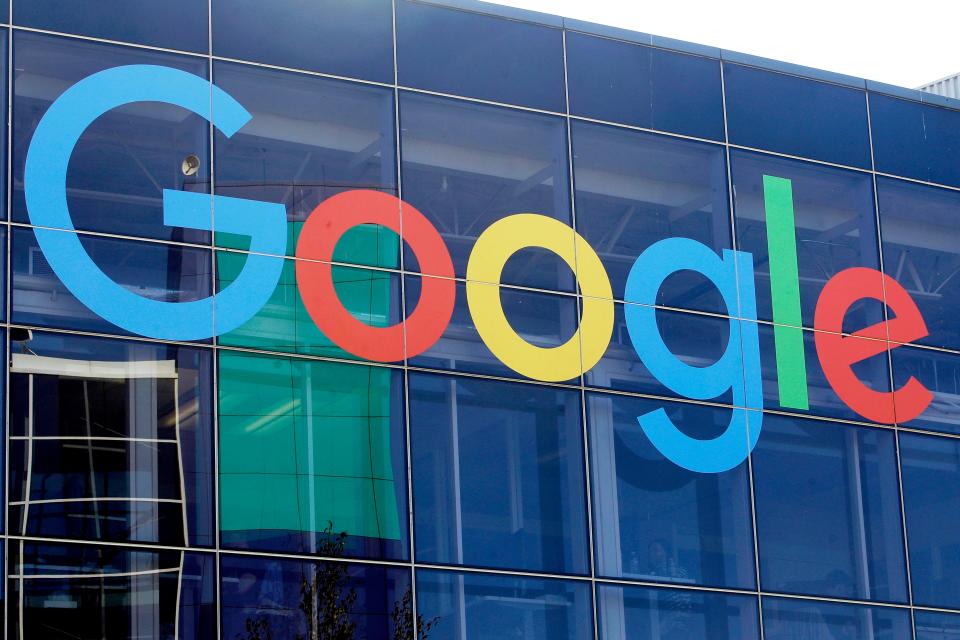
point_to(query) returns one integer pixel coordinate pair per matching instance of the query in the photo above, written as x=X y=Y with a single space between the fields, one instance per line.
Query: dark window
x=172 y=24
x=479 y=56
x=916 y=140
x=353 y=39
x=645 y=87
x=498 y=474
x=797 y=116
x=785 y=619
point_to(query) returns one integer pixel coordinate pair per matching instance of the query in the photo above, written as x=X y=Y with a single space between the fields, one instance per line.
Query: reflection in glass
x=308 y=450
x=939 y=372
x=115 y=593
x=655 y=521
x=828 y=510
x=672 y=614
x=785 y=619
x=498 y=474
x=936 y=626
x=480 y=606
x=110 y=440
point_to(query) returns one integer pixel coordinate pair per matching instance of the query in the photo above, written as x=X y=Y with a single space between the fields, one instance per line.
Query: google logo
x=737 y=371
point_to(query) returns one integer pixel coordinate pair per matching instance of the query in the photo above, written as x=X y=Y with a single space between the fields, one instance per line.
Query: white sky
x=902 y=42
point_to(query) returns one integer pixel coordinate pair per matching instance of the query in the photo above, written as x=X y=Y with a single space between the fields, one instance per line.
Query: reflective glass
x=124 y=161
x=264 y=598
x=310 y=138
x=785 y=619
x=931 y=502
x=796 y=116
x=466 y=166
x=283 y=323
x=172 y=24
x=918 y=225
x=634 y=189
x=169 y=273
x=673 y=614
x=479 y=606
x=828 y=510
x=543 y=319
x=81 y=591
x=645 y=87
x=310 y=452
x=834 y=222
x=111 y=440
x=498 y=474
x=479 y=56
x=915 y=140
x=353 y=39
x=936 y=626
x=655 y=521
x=939 y=372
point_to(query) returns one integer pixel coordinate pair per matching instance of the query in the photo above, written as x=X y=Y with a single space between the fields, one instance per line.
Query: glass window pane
x=834 y=221
x=124 y=161
x=785 y=619
x=265 y=598
x=311 y=451
x=645 y=87
x=655 y=521
x=310 y=138
x=797 y=116
x=931 y=501
x=172 y=24
x=664 y=614
x=939 y=372
x=828 y=510
x=498 y=474
x=353 y=39
x=936 y=626
x=479 y=56
x=165 y=272
x=916 y=140
x=78 y=591
x=112 y=440
x=918 y=225
x=466 y=166
x=634 y=189
x=480 y=606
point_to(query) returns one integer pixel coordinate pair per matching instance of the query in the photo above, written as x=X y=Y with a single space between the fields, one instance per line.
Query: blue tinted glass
x=936 y=626
x=828 y=510
x=479 y=606
x=655 y=521
x=794 y=619
x=172 y=24
x=664 y=614
x=311 y=453
x=3 y=133
x=542 y=319
x=873 y=372
x=931 y=501
x=801 y=117
x=309 y=139
x=645 y=87
x=263 y=598
x=169 y=273
x=696 y=339
x=479 y=56
x=4 y=250
x=466 y=166
x=351 y=39
x=835 y=228
x=125 y=160
x=634 y=189
x=137 y=465
x=498 y=474
x=916 y=140
x=939 y=372
x=130 y=592
x=918 y=225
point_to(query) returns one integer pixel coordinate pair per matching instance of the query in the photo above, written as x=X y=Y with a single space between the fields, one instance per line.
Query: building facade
x=669 y=349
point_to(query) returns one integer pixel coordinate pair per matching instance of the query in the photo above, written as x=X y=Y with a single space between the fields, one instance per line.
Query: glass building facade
x=266 y=483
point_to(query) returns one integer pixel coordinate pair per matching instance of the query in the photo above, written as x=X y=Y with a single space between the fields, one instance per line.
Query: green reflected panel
x=306 y=446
